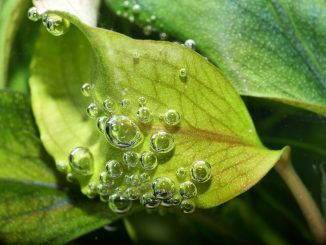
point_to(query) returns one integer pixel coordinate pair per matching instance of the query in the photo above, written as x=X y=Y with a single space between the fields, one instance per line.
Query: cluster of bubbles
x=55 y=24
x=129 y=179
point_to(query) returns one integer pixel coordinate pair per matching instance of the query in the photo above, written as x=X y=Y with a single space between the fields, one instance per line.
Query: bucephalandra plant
x=141 y=123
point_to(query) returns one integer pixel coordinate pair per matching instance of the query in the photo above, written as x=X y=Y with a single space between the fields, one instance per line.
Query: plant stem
x=308 y=206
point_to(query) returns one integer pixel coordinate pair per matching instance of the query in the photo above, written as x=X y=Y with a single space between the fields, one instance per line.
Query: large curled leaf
x=215 y=126
x=36 y=207
x=269 y=49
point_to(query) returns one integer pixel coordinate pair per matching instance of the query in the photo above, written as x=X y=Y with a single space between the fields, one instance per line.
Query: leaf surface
x=215 y=127
x=36 y=206
x=268 y=49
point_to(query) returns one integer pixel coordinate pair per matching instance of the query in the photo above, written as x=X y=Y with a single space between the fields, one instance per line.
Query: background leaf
x=215 y=119
x=36 y=206
x=269 y=49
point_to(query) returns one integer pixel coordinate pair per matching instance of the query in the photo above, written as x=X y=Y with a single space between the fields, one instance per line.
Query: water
x=181 y=173
x=122 y=132
x=131 y=159
x=201 y=171
x=86 y=89
x=144 y=115
x=81 y=161
x=56 y=25
x=149 y=201
x=119 y=203
x=188 y=189
x=162 y=142
x=101 y=123
x=171 y=117
x=188 y=206
x=114 y=169
x=148 y=160
x=163 y=188
x=33 y=15
x=92 y=110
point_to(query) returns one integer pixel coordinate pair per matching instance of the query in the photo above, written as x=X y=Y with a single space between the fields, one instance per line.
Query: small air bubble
x=108 y=105
x=149 y=201
x=92 y=110
x=190 y=44
x=163 y=188
x=163 y=36
x=136 y=8
x=56 y=25
x=142 y=101
x=101 y=123
x=81 y=161
x=131 y=159
x=162 y=142
x=33 y=15
x=188 y=189
x=188 y=206
x=114 y=169
x=183 y=73
x=119 y=203
x=62 y=166
x=144 y=115
x=181 y=173
x=148 y=160
x=86 y=89
x=201 y=171
x=125 y=103
x=171 y=118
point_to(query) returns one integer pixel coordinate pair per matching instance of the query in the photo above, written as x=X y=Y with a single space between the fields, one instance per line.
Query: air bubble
x=144 y=115
x=125 y=103
x=181 y=173
x=133 y=193
x=122 y=132
x=188 y=206
x=136 y=8
x=190 y=44
x=86 y=89
x=101 y=123
x=183 y=73
x=188 y=189
x=126 y=4
x=173 y=201
x=171 y=117
x=104 y=178
x=108 y=105
x=102 y=190
x=163 y=188
x=119 y=203
x=134 y=180
x=81 y=161
x=33 y=15
x=114 y=169
x=57 y=25
x=142 y=101
x=130 y=159
x=62 y=166
x=162 y=142
x=127 y=180
x=201 y=171
x=91 y=191
x=148 y=160
x=145 y=177
x=92 y=110
x=136 y=57
x=149 y=201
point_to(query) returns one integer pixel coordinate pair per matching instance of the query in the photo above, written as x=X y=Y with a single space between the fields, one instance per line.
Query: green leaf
x=268 y=49
x=10 y=19
x=36 y=206
x=215 y=126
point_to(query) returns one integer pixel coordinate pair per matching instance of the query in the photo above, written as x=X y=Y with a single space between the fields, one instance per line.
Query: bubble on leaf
x=102 y=189
x=149 y=201
x=134 y=180
x=172 y=117
x=81 y=161
x=183 y=73
x=144 y=115
x=92 y=110
x=163 y=36
x=163 y=188
x=142 y=101
x=188 y=206
x=133 y=193
x=119 y=203
x=108 y=105
x=145 y=177
x=201 y=171
x=114 y=169
x=86 y=89
x=56 y=25
x=122 y=132
x=181 y=173
x=188 y=189
x=131 y=159
x=173 y=201
x=62 y=166
x=125 y=103
x=32 y=14
x=70 y=178
x=148 y=160
x=162 y=142
x=101 y=123
x=190 y=44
